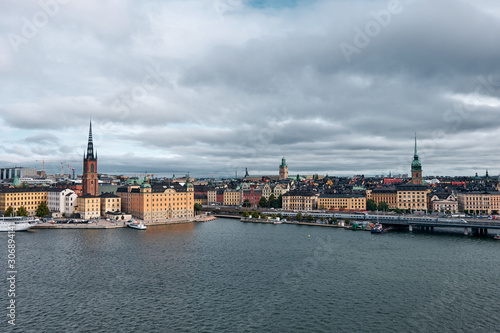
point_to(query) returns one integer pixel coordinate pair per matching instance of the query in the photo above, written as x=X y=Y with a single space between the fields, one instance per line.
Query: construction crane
x=43 y=164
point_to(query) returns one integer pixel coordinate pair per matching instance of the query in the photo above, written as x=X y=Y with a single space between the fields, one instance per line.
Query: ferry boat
x=137 y=225
x=17 y=223
x=378 y=229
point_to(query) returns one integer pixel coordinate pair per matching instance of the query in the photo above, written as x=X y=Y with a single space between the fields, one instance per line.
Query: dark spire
x=415 y=156
x=90 y=145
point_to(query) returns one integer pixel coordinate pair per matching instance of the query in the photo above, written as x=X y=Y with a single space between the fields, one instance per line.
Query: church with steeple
x=416 y=167
x=283 y=170
x=89 y=178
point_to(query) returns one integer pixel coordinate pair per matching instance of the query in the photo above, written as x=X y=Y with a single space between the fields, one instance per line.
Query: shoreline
x=103 y=224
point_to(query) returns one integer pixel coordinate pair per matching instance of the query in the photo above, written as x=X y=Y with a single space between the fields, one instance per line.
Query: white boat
x=17 y=223
x=278 y=222
x=137 y=225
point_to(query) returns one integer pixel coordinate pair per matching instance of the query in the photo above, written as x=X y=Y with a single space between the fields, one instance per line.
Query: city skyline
x=214 y=87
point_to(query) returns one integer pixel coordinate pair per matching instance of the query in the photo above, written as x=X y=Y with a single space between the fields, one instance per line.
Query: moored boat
x=378 y=229
x=137 y=225
x=17 y=223
x=497 y=236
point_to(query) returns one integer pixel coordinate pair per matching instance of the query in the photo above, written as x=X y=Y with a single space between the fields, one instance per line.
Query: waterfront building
x=283 y=170
x=443 y=201
x=29 y=198
x=253 y=195
x=479 y=202
x=61 y=201
x=416 y=167
x=407 y=197
x=219 y=197
x=299 y=200
x=89 y=178
x=201 y=199
x=110 y=203
x=212 y=196
x=412 y=197
x=161 y=201
x=232 y=197
x=387 y=194
x=341 y=202
x=89 y=206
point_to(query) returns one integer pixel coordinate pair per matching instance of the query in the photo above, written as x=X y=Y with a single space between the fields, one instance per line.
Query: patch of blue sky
x=275 y=3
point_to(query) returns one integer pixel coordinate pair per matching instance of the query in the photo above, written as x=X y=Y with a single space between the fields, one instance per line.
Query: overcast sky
x=213 y=86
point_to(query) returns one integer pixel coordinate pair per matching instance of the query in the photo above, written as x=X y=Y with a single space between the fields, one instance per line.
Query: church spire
x=415 y=156
x=90 y=144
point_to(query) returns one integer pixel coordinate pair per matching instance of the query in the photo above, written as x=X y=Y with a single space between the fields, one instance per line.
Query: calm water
x=229 y=276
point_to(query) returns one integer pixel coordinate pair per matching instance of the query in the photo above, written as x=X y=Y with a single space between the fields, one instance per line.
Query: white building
x=61 y=201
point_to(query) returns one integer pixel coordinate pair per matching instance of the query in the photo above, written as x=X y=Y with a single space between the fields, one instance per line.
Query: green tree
x=280 y=215
x=262 y=202
x=9 y=211
x=334 y=220
x=398 y=210
x=280 y=201
x=299 y=217
x=21 y=211
x=197 y=208
x=263 y=216
x=371 y=205
x=310 y=218
x=322 y=219
x=255 y=215
x=347 y=221
x=383 y=206
x=273 y=216
x=245 y=214
x=272 y=201
x=246 y=203
x=42 y=209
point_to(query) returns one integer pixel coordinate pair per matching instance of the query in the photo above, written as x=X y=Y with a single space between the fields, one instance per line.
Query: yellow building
x=232 y=197
x=299 y=200
x=341 y=201
x=384 y=194
x=412 y=197
x=29 y=198
x=486 y=202
x=200 y=199
x=88 y=206
x=406 y=197
x=110 y=203
x=162 y=201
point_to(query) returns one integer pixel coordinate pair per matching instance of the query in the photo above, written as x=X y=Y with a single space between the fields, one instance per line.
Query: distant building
x=160 y=201
x=89 y=177
x=299 y=200
x=19 y=172
x=342 y=202
x=416 y=167
x=283 y=170
x=443 y=201
x=479 y=202
x=232 y=197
